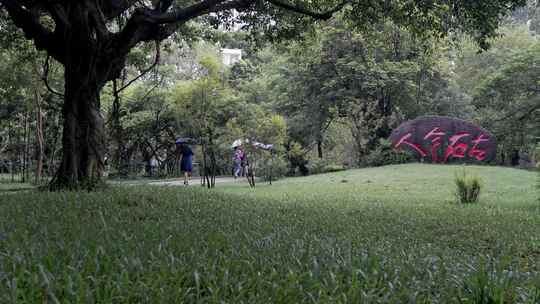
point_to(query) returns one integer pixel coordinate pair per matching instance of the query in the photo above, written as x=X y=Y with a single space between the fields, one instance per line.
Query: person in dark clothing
x=186 y=164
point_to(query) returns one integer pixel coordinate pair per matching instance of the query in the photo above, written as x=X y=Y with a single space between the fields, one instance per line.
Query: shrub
x=537 y=157
x=467 y=188
x=272 y=167
x=318 y=166
x=334 y=168
x=385 y=154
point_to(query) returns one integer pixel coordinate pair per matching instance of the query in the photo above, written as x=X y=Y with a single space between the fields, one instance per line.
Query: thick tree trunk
x=87 y=61
x=83 y=146
x=39 y=138
x=25 y=149
x=118 y=162
x=319 y=148
x=91 y=56
x=10 y=138
x=52 y=157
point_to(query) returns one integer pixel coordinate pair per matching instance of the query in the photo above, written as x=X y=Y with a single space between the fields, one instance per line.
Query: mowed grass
x=381 y=235
x=8 y=184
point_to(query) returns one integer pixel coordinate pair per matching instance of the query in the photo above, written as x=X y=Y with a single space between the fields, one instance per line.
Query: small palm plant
x=467 y=188
x=537 y=157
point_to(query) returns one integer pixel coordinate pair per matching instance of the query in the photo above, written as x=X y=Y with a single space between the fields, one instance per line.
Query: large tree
x=85 y=37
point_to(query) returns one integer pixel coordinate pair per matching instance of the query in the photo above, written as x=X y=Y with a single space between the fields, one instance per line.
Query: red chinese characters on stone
x=440 y=139
x=405 y=140
x=457 y=146
x=435 y=135
x=479 y=154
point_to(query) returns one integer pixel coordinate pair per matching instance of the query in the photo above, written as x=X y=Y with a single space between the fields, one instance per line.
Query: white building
x=231 y=56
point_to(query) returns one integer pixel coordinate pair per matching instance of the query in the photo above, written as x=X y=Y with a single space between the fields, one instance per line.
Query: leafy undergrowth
x=385 y=235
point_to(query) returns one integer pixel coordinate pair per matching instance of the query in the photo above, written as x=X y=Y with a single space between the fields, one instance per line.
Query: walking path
x=12 y=188
x=196 y=181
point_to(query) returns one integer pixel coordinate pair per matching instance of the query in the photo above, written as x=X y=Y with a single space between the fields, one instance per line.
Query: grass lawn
x=11 y=187
x=382 y=235
x=6 y=185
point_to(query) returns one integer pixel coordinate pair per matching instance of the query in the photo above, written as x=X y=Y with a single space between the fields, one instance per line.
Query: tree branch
x=114 y=8
x=145 y=71
x=32 y=28
x=304 y=11
x=150 y=24
x=528 y=111
x=45 y=77
x=184 y=14
x=201 y=8
x=535 y=89
x=58 y=13
x=145 y=24
x=163 y=5
x=99 y=21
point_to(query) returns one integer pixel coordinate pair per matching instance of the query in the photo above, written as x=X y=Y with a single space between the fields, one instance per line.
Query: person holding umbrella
x=238 y=158
x=186 y=163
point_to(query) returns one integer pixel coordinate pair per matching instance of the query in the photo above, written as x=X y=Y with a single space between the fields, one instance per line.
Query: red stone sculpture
x=441 y=139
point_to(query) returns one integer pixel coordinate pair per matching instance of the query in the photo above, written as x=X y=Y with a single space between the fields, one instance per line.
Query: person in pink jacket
x=238 y=158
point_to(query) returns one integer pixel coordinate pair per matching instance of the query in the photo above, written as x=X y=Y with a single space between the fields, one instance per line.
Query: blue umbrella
x=181 y=140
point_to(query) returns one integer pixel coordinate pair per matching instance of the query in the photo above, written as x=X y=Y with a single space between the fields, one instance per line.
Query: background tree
x=369 y=80
x=202 y=112
x=28 y=110
x=508 y=101
x=498 y=86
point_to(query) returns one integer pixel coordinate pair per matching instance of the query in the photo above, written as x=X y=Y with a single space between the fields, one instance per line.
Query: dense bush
x=467 y=188
x=537 y=159
x=385 y=154
x=537 y=156
x=273 y=167
x=322 y=165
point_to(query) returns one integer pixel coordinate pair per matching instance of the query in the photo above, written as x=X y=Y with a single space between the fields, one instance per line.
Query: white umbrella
x=237 y=143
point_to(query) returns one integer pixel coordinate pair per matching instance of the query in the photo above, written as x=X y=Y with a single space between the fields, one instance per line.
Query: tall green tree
x=202 y=111
x=499 y=87
x=508 y=101
x=27 y=107
x=373 y=78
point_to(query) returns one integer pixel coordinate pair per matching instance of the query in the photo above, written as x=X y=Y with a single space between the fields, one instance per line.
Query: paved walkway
x=196 y=181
